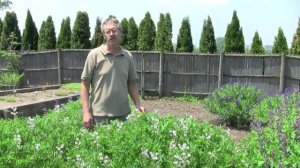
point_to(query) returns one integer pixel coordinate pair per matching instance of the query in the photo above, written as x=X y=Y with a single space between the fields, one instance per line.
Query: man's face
x=112 y=33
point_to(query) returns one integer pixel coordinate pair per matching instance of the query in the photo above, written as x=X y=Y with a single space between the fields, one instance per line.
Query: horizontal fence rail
x=167 y=74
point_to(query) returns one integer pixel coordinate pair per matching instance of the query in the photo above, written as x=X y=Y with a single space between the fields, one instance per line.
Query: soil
x=164 y=106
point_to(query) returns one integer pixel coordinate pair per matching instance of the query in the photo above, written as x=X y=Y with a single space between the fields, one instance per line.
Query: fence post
x=143 y=76
x=161 y=72
x=282 y=70
x=59 y=67
x=220 y=74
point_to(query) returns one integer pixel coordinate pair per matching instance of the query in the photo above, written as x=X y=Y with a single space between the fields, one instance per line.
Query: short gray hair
x=111 y=19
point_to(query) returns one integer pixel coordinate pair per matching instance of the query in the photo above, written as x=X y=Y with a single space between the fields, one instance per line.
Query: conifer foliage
x=234 y=38
x=124 y=38
x=184 y=39
x=81 y=32
x=146 y=34
x=97 y=39
x=132 y=35
x=207 y=42
x=163 y=40
x=11 y=35
x=30 y=34
x=47 y=37
x=257 y=45
x=64 y=37
x=295 y=48
x=280 y=45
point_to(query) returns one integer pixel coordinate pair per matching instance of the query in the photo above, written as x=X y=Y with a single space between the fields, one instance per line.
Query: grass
x=8 y=99
x=72 y=86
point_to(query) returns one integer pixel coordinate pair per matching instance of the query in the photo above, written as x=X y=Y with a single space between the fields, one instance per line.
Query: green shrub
x=261 y=111
x=58 y=139
x=10 y=78
x=278 y=143
x=233 y=103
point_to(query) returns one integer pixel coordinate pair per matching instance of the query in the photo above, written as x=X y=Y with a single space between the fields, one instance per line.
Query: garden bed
x=33 y=101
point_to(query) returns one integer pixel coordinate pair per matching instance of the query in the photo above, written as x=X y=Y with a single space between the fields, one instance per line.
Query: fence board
x=181 y=72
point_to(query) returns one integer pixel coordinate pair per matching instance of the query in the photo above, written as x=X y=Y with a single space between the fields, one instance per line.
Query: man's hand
x=87 y=120
x=140 y=109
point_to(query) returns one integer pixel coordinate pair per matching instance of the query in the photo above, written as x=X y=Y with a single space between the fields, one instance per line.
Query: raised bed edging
x=38 y=108
x=23 y=90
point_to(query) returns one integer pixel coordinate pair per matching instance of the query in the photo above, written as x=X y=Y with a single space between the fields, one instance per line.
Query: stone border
x=8 y=92
x=33 y=109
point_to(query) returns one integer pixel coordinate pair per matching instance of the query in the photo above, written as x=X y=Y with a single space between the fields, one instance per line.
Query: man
x=108 y=76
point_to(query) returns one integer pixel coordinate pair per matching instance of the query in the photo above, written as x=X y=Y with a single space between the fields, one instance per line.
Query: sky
x=264 y=16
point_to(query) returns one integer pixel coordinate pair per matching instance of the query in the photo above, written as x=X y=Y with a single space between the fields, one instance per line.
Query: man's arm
x=134 y=94
x=84 y=94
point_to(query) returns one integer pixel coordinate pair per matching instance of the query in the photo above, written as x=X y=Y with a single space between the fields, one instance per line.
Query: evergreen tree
x=160 y=36
x=184 y=40
x=234 y=38
x=168 y=45
x=97 y=39
x=280 y=45
x=64 y=37
x=4 y=4
x=132 y=35
x=30 y=34
x=124 y=38
x=207 y=42
x=47 y=38
x=163 y=40
x=146 y=34
x=81 y=32
x=295 y=48
x=257 y=45
x=10 y=36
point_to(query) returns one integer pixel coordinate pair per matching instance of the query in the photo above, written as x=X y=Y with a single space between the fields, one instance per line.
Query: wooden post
x=143 y=77
x=282 y=70
x=161 y=72
x=220 y=74
x=59 y=67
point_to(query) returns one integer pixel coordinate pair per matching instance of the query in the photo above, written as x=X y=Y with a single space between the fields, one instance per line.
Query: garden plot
x=34 y=101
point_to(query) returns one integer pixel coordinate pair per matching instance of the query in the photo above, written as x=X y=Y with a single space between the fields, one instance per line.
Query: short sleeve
x=132 y=74
x=89 y=65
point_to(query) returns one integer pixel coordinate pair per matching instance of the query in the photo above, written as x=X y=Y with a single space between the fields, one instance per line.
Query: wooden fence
x=166 y=74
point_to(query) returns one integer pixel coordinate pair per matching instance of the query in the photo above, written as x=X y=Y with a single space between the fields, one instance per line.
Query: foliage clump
x=233 y=103
x=276 y=136
x=144 y=140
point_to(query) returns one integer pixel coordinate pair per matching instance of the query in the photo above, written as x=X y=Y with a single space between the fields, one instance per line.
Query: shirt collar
x=105 y=52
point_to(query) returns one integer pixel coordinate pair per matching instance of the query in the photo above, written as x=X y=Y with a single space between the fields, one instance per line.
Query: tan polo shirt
x=109 y=75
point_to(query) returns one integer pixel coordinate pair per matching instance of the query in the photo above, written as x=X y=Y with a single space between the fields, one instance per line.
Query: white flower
x=37 y=147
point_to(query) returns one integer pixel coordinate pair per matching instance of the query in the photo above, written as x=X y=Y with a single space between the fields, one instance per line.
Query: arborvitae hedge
x=30 y=34
x=184 y=40
x=280 y=45
x=132 y=35
x=207 y=42
x=234 y=38
x=81 y=32
x=10 y=36
x=147 y=34
x=97 y=39
x=257 y=45
x=64 y=37
x=47 y=38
